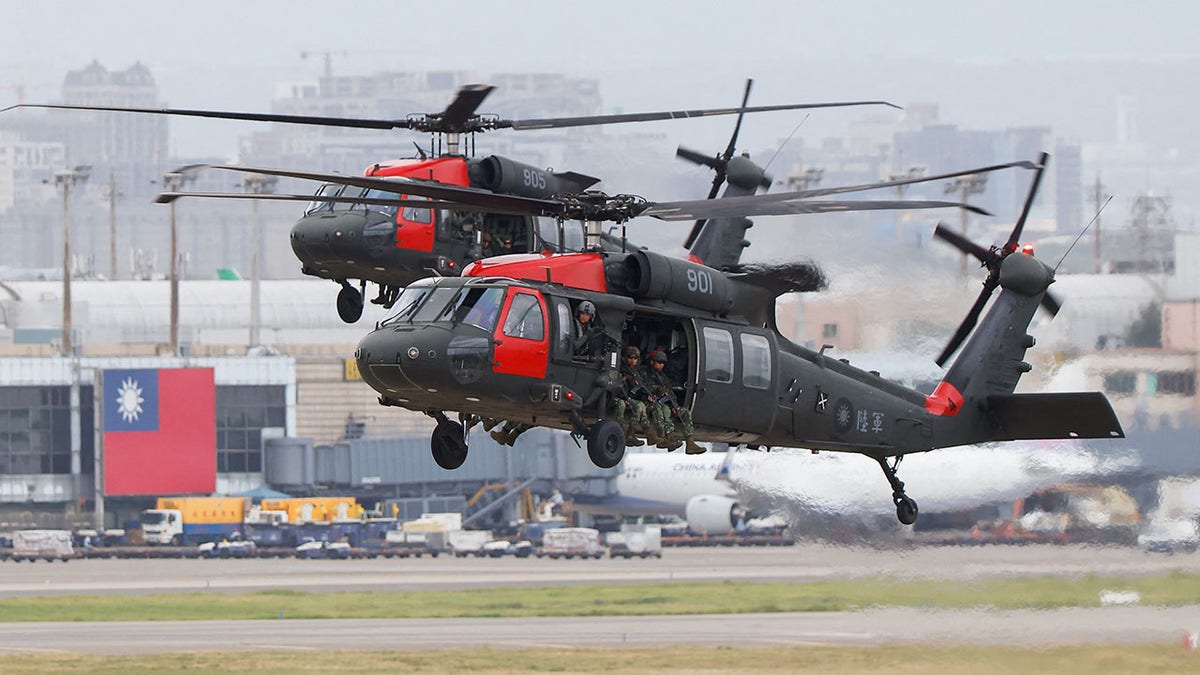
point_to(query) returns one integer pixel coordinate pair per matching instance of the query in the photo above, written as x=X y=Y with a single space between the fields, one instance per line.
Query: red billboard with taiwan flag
x=160 y=431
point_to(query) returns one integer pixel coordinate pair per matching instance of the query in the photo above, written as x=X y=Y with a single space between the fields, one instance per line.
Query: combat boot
x=652 y=435
x=631 y=440
x=499 y=436
x=692 y=448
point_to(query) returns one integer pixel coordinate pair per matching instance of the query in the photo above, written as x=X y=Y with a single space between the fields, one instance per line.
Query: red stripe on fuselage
x=575 y=270
x=945 y=400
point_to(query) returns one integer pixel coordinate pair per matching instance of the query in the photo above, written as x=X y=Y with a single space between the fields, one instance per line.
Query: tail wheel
x=606 y=444
x=448 y=445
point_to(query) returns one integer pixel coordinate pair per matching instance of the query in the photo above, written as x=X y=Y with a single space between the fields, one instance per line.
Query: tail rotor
x=991 y=258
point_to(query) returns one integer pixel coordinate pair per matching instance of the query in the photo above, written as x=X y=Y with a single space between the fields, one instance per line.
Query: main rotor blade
x=1013 y=239
x=558 y=122
x=228 y=115
x=168 y=197
x=820 y=192
x=464 y=105
x=459 y=117
x=968 y=323
x=756 y=205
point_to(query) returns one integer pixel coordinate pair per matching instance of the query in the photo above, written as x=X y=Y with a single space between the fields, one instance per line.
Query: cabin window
x=756 y=362
x=417 y=215
x=563 y=346
x=525 y=318
x=718 y=355
x=475 y=306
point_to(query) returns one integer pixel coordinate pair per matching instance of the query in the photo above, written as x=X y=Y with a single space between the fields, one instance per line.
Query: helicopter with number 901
x=500 y=341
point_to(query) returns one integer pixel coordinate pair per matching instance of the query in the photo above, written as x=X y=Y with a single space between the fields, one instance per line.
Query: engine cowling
x=712 y=514
x=650 y=276
x=504 y=176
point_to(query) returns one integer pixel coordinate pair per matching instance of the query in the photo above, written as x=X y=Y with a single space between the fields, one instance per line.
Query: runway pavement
x=794 y=564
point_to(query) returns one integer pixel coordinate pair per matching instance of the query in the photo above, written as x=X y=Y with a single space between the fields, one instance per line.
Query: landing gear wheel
x=349 y=303
x=606 y=444
x=448 y=445
x=906 y=510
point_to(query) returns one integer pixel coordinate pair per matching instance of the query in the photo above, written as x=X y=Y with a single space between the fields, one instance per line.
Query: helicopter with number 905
x=356 y=235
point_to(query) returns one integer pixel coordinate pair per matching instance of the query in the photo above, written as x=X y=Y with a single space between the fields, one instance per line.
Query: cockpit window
x=432 y=309
x=416 y=215
x=410 y=299
x=326 y=190
x=388 y=210
x=476 y=306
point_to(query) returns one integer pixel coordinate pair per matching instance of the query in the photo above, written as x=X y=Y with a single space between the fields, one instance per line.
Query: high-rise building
x=134 y=146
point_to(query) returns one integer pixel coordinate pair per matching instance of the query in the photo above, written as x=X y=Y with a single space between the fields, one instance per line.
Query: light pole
x=259 y=185
x=173 y=182
x=966 y=186
x=65 y=180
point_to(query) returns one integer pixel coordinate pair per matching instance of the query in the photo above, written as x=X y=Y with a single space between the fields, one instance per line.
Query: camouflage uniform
x=625 y=405
x=660 y=391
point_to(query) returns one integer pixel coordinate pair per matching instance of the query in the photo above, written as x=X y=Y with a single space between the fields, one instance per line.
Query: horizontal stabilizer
x=1044 y=416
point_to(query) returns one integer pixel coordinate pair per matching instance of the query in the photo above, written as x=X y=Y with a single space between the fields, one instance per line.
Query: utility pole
x=112 y=226
x=65 y=180
x=173 y=182
x=910 y=173
x=966 y=186
x=257 y=184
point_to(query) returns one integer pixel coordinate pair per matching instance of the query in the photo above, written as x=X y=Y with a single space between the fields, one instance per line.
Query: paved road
x=794 y=564
x=870 y=628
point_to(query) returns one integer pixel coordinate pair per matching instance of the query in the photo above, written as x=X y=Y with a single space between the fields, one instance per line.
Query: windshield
x=153 y=517
x=410 y=299
x=334 y=190
x=476 y=306
x=388 y=210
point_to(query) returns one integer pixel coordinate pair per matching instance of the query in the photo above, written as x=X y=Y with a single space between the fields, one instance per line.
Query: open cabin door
x=736 y=381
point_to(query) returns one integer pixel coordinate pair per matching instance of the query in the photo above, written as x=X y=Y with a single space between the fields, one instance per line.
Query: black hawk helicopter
x=496 y=342
x=352 y=233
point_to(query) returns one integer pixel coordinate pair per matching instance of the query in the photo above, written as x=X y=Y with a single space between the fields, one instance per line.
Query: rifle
x=638 y=385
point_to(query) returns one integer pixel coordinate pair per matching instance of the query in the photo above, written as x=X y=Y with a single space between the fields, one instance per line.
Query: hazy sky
x=987 y=65
x=649 y=55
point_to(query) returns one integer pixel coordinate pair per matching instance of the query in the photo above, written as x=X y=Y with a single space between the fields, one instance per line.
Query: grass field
x=893 y=660
x=622 y=600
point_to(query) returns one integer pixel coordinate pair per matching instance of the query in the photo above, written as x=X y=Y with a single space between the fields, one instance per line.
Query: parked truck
x=192 y=520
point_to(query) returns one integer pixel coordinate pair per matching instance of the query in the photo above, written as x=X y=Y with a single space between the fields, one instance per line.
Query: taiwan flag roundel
x=160 y=431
